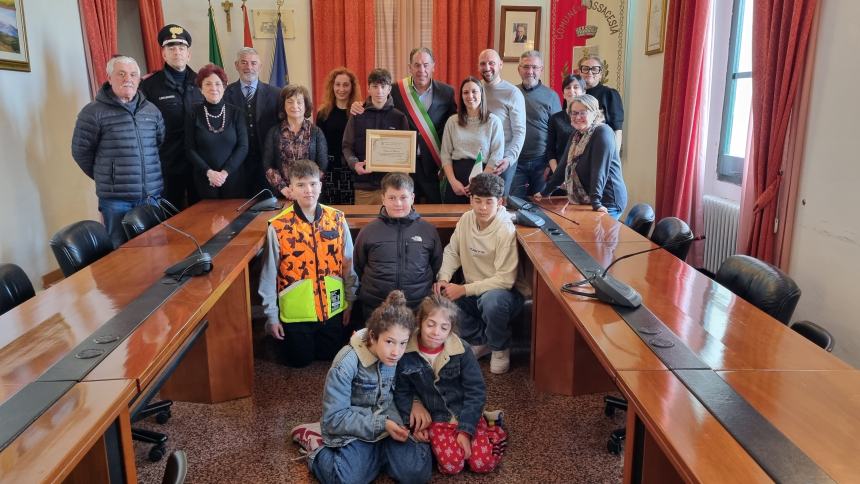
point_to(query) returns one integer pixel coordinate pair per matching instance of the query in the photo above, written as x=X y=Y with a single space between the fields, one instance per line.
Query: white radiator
x=721 y=230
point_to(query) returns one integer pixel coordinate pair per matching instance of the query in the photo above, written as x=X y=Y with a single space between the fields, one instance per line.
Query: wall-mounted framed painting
x=519 y=31
x=656 y=27
x=13 y=36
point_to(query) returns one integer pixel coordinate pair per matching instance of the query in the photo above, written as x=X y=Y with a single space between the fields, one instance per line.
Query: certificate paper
x=390 y=150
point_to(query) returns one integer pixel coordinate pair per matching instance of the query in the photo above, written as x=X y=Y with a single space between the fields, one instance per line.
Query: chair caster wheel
x=156 y=453
x=613 y=447
x=609 y=411
x=163 y=417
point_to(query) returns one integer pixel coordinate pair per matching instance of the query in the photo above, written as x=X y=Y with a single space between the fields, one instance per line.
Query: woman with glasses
x=592 y=70
x=590 y=165
x=559 y=123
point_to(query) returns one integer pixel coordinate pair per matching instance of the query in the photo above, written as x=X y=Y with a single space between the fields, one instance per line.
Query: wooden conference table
x=578 y=346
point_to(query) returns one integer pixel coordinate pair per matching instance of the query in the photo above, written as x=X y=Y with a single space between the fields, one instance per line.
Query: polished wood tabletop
x=816 y=410
x=442 y=216
x=70 y=432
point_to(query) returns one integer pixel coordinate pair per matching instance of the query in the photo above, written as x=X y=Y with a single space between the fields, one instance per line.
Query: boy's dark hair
x=392 y=312
x=436 y=302
x=379 y=76
x=487 y=185
x=303 y=169
x=397 y=181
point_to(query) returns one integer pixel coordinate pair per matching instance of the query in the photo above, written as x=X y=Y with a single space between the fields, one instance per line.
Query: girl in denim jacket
x=440 y=390
x=358 y=409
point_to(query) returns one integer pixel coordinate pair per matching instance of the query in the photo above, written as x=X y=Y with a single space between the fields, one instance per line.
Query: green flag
x=214 y=46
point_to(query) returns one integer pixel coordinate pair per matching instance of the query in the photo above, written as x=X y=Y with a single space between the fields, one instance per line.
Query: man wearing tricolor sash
x=428 y=104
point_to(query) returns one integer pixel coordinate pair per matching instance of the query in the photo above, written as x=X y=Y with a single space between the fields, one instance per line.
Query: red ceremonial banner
x=565 y=17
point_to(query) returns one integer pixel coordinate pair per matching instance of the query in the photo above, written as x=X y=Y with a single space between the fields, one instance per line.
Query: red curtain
x=781 y=30
x=679 y=163
x=151 y=21
x=99 y=20
x=461 y=30
x=344 y=34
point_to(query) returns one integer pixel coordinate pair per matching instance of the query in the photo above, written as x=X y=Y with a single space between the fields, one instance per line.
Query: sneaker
x=481 y=351
x=308 y=436
x=500 y=362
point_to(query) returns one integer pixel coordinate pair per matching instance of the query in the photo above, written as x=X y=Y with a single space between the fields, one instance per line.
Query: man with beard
x=259 y=104
x=505 y=101
x=541 y=103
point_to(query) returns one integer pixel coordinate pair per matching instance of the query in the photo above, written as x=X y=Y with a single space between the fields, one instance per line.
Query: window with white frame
x=736 y=106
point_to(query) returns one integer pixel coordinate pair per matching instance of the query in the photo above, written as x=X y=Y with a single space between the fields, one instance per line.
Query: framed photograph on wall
x=13 y=36
x=656 y=27
x=519 y=31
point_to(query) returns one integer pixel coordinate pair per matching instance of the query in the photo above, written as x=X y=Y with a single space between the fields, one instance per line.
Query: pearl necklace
x=216 y=116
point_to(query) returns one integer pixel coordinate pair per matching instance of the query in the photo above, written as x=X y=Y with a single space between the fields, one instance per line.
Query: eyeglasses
x=574 y=114
x=591 y=69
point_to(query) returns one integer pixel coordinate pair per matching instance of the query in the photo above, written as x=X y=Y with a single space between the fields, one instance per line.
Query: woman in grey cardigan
x=472 y=142
x=295 y=138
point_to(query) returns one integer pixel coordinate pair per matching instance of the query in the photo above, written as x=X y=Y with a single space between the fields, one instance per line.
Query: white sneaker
x=500 y=362
x=308 y=436
x=481 y=351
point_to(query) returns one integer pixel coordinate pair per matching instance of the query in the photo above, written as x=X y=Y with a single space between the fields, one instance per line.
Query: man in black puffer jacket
x=396 y=251
x=116 y=142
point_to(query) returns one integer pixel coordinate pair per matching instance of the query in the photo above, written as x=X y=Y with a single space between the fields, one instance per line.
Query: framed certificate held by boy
x=390 y=150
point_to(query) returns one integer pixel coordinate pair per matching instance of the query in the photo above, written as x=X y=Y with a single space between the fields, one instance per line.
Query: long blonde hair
x=329 y=101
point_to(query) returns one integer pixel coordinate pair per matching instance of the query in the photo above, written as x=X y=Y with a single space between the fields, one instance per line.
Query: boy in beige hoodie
x=484 y=244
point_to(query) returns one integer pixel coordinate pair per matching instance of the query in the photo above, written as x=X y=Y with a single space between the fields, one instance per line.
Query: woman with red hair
x=340 y=92
x=216 y=139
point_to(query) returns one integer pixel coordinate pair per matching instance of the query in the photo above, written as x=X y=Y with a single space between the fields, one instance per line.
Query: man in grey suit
x=259 y=103
x=428 y=104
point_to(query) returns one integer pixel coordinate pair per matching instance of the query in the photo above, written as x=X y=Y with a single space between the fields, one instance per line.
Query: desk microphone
x=613 y=291
x=193 y=265
x=265 y=205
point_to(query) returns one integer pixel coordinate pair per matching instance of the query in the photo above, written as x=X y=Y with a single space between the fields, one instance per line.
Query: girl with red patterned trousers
x=441 y=391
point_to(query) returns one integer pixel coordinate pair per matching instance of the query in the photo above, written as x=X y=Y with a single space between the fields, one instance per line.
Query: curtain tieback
x=768 y=195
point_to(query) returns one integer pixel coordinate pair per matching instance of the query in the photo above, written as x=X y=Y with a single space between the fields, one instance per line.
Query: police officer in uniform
x=173 y=91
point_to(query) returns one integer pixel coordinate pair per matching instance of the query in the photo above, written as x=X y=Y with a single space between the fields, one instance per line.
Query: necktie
x=249 y=93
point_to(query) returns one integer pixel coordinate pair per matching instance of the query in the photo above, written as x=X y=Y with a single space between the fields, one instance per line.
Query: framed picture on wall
x=265 y=22
x=656 y=27
x=519 y=31
x=13 y=36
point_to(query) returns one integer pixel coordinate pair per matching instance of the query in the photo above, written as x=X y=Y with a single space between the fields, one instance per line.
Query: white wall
x=42 y=189
x=825 y=257
x=192 y=15
x=644 y=82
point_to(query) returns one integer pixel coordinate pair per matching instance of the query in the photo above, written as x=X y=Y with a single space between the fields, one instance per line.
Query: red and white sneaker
x=308 y=436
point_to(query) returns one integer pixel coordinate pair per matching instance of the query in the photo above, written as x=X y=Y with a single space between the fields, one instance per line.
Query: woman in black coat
x=216 y=139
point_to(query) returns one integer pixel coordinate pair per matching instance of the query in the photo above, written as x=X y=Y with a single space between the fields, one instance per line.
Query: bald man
x=506 y=101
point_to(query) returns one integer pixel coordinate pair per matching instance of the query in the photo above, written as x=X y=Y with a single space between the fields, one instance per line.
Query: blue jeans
x=113 y=210
x=528 y=177
x=614 y=212
x=487 y=318
x=508 y=176
x=360 y=462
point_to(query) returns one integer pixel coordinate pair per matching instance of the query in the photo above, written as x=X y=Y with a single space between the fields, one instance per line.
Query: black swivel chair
x=15 y=287
x=814 y=333
x=640 y=218
x=761 y=284
x=672 y=230
x=79 y=245
x=140 y=219
x=176 y=468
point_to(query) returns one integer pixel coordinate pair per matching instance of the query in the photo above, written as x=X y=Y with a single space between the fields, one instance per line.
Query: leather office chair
x=761 y=284
x=672 y=230
x=176 y=468
x=79 y=245
x=640 y=218
x=15 y=287
x=139 y=219
x=814 y=333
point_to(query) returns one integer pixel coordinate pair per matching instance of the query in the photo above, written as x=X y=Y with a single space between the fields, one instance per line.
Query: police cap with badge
x=173 y=34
